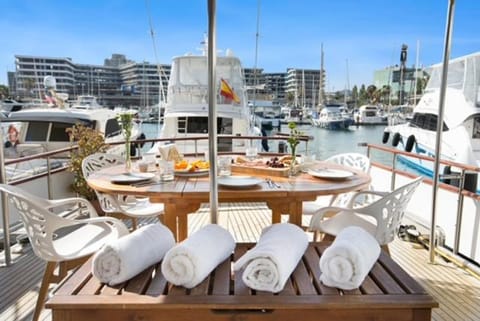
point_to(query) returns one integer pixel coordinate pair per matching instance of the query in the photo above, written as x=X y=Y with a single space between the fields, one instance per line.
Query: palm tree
x=371 y=93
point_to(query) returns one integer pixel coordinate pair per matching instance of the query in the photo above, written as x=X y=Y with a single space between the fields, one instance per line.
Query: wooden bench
x=388 y=293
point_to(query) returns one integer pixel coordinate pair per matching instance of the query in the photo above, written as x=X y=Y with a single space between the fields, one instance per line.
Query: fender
x=409 y=144
x=386 y=136
x=396 y=139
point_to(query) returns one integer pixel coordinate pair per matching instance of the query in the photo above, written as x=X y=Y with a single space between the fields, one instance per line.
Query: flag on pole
x=227 y=92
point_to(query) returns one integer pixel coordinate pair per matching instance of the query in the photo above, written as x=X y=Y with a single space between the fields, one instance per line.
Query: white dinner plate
x=330 y=173
x=238 y=181
x=197 y=173
x=128 y=178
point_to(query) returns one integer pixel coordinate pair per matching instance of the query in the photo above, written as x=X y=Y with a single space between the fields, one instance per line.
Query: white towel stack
x=191 y=261
x=346 y=263
x=127 y=256
x=269 y=264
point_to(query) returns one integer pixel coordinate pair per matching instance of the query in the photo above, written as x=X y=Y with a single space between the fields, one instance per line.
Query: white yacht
x=186 y=109
x=461 y=126
x=369 y=115
x=86 y=102
x=334 y=117
x=42 y=130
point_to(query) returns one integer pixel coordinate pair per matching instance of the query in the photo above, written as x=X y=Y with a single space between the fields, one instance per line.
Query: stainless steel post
x=441 y=107
x=212 y=110
x=5 y=211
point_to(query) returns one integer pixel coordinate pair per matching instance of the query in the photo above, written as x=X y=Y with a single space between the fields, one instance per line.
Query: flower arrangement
x=126 y=122
x=89 y=141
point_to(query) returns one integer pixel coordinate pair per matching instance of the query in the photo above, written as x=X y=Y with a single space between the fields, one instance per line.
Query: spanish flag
x=227 y=92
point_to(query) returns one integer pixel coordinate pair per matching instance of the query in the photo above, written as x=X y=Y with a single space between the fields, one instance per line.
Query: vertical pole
x=212 y=110
x=5 y=211
x=441 y=107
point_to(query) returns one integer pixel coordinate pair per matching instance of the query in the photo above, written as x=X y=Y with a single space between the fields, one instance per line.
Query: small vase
x=128 y=159
x=293 y=168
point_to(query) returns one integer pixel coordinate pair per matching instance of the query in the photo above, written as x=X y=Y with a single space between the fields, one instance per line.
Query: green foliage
x=293 y=139
x=126 y=121
x=89 y=141
x=4 y=93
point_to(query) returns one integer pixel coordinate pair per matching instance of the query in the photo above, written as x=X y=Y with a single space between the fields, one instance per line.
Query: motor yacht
x=461 y=124
x=186 y=109
x=333 y=117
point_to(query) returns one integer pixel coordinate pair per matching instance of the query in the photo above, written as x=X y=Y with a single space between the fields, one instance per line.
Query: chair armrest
x=73 y=200
x=122 y=228
x=351 y=203
x=318 y=216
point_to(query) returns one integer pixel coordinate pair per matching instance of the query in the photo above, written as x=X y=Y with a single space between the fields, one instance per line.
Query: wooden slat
x=158 y=283
x=239 y=287
x=384 y=280
x=221 y=285
x=312 y=259
x=140 y=282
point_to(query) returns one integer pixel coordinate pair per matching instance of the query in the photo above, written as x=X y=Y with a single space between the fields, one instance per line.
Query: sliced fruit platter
x=188 y=168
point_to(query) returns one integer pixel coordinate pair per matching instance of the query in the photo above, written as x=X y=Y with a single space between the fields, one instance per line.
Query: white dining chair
x=380 y=218
x=121 y=206
x=60 y=240
x=356 y=161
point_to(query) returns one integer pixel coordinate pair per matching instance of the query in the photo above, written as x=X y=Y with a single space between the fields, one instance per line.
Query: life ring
x=396 y=139
x=409 y=143
x=386 y=136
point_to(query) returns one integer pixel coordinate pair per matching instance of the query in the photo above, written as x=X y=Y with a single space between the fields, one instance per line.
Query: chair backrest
x=95 y=162
x=40 y=223
x=389 y=210
x=353 y=160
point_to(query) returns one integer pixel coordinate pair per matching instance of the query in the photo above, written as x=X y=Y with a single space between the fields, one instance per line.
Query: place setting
x=330 y=173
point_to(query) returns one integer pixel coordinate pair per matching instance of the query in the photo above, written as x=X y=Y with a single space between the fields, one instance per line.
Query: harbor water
x=325 y=142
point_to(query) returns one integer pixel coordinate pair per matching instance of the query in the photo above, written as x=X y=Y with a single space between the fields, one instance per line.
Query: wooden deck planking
x=457 y=292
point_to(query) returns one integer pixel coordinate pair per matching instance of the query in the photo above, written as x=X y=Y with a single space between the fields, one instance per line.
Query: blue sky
x=367 y=34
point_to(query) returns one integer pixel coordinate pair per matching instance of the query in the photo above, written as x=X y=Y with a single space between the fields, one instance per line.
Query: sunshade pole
x=441 y=107
x=5 y=212
x=212 y=110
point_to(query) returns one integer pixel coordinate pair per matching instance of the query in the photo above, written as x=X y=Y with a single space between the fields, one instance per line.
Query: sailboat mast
x=255 y=80
x=416 y=75
x=160 y=72
x=320 y=82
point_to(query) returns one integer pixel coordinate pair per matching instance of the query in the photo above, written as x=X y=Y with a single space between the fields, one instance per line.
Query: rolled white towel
x=346 y=262
x=129 y=255
x=269 y=264
x=191 y=261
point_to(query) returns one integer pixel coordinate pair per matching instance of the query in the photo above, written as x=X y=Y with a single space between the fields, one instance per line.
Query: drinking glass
x=224 y=166
x=166 y=169
x=251 y=153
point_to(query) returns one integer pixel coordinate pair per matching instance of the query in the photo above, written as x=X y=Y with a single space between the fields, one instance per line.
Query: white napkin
x=191 y=261
x=346 y=263
x=169 y=152
x=269 y=264
x=122 y=259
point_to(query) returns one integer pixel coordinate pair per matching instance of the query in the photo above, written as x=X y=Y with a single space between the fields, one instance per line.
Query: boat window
x=59 y=133
x=112 y=128
x=427 y=122
x=476 y=127
x=199 y=125
x=37 y=131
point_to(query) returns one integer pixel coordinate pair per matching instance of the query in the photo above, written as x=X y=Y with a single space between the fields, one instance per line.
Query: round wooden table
x=184 y=195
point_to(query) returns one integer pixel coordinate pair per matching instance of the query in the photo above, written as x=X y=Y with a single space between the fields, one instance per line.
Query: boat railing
x=461 y=171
